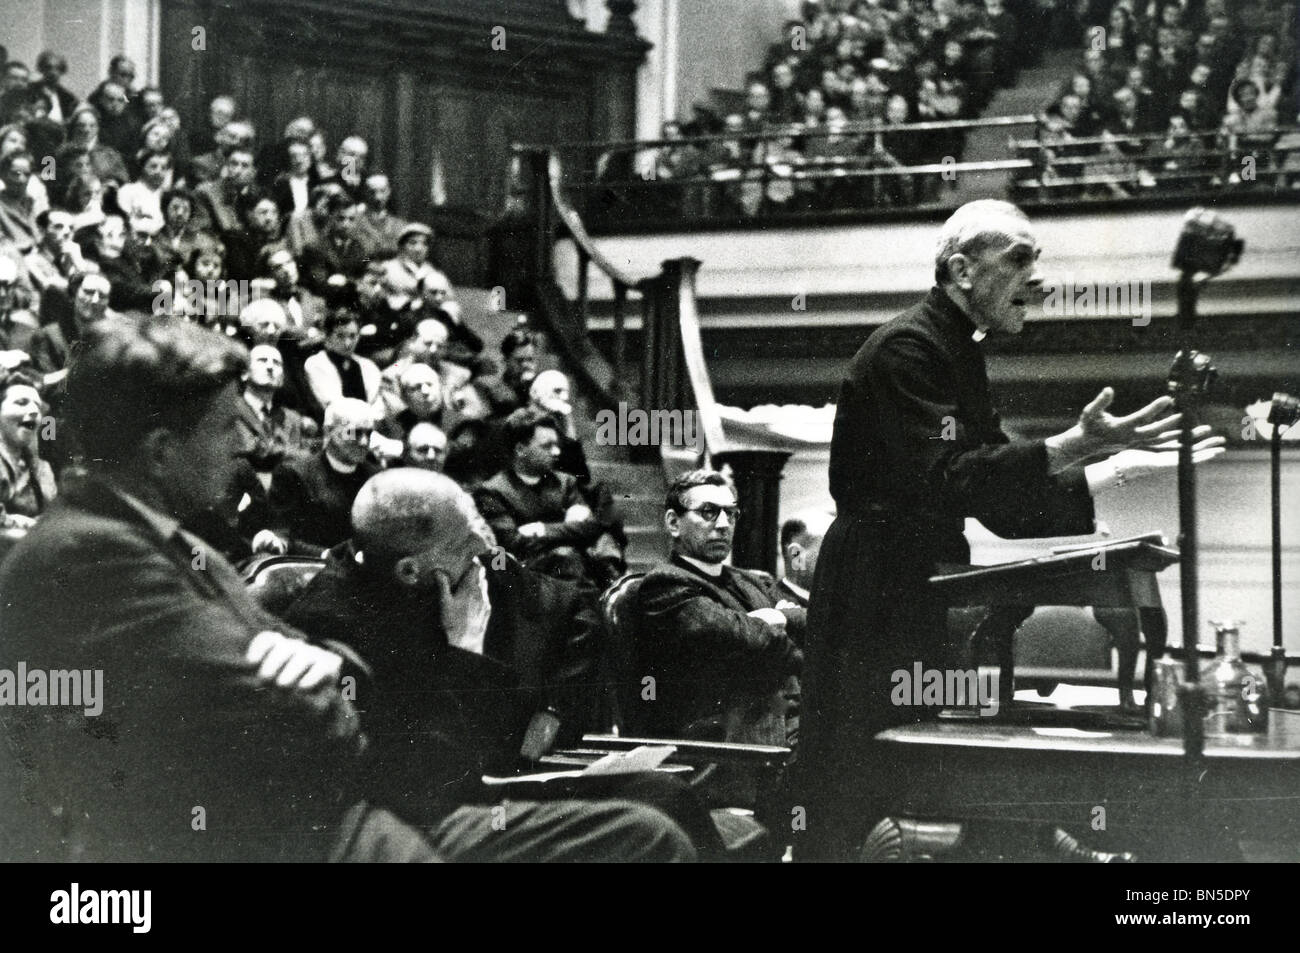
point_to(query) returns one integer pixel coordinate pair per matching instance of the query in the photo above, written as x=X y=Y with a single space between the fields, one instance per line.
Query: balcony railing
x=854 y=170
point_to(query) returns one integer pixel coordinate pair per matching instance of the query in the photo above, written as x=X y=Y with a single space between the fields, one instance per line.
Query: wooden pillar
x=757 y=474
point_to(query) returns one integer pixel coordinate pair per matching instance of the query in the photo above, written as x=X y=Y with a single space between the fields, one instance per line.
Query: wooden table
x=1247 y=787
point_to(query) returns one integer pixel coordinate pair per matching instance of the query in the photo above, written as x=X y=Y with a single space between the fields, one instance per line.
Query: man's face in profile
x=1005 y=281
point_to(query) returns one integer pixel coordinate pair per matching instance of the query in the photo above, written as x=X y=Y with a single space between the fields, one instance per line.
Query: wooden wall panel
x=419 y=81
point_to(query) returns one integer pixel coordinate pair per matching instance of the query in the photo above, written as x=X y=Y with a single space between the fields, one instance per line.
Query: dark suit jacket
x=710 y=660
x=507 y=503
x=99 y=584
x=272 y=438
x=441 y=716
x=784 y=591
x=311 y=503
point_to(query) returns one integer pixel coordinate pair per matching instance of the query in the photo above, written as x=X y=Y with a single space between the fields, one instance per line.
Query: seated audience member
x=261 y=233
x=420 y=390
x=207 y=166
x=110 y=581
x=17 y=325
x=801 y=542
x=208 y=297
x=117 y=591
x=305 y=310
x=719 y=642
x=120 y=263
x=538 y=514
x=221 y=112
x=337 y=371
x=408 y=277
x=381 y=230
x=217 y=201
x=476 y=669
x=478 y=662
x=349 y=169
x=53 y=261
x=119 y=126
x=336 y=251
x=271 y=430
x=17 y=211
x=50 y=346
x=426 y=447
x=84 y=198
x=26 y=481
x=311 y=494
x=383 y=328
x=53 y=67
x=509 y=392
x=83 y=142
x=549 y=393
x=141 y=201
x=175 y=241
x=306 y=226
x=291 y=188
x=469 y=461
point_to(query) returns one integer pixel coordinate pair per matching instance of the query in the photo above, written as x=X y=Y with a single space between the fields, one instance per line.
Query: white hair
x=974 y=227
x=348 y=412
x=545 y=381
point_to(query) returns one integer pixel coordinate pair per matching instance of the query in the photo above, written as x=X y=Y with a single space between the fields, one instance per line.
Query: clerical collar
x=709 y=569
x=979 y=334
x=526 y=479
x=338 y=466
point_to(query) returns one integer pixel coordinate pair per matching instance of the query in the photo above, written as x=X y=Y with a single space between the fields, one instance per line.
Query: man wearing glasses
x=714 y=641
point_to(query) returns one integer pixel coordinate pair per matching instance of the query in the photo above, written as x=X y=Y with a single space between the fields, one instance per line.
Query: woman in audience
x=13 y=138
x=83 y=133
x=26 y=481
x=209 y=298
x=17 y=215
x=132 y=289
x=175 y=243
x=85 y=200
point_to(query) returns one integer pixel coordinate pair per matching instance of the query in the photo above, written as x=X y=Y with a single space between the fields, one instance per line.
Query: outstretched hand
x=1100 y=433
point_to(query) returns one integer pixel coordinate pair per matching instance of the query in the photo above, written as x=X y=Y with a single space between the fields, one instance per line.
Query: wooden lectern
x=1118 y=578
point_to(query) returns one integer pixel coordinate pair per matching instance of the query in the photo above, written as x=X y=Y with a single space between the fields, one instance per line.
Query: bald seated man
x=420 y=388
x=426 y=447
x=475 y=662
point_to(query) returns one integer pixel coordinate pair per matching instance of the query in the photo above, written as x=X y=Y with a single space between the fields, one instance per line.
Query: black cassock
x=917 y=448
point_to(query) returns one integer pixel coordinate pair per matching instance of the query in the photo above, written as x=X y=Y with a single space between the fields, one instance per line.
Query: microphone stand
x=1187 y=379
x=1282 y=415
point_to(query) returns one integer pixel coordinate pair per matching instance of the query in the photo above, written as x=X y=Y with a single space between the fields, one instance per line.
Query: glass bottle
x=1237 y=699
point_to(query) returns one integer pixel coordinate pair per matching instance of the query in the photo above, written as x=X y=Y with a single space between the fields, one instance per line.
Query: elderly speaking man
x=917 y=448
